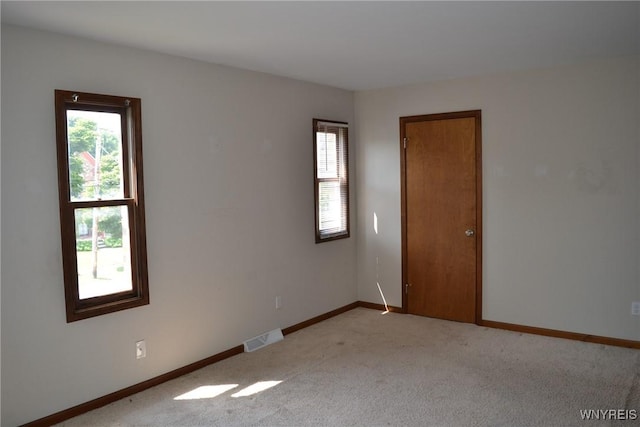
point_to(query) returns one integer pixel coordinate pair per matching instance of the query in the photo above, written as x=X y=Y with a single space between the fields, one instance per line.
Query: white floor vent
x=263 y=340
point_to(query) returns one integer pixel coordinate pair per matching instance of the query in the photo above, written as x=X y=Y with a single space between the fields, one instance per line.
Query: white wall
x=561 y=162
x=229 y=196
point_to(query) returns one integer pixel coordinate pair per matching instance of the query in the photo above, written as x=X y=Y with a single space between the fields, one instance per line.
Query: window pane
x=330 y=206
x=103 y=251
x=327 y=155
x=95 y=155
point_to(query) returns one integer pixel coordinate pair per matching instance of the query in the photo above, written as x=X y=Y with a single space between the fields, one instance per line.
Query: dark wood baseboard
x=318 y=319
x=561 y=334
x=380 y=307
x=136 y=388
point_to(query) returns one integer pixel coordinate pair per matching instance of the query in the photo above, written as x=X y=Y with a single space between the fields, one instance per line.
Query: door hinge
x=405 y=143
x=406 y=288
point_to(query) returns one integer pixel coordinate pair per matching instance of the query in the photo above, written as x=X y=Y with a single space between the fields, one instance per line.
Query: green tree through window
x=101 y=203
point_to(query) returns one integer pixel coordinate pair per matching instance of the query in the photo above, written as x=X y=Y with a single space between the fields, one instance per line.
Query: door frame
x=477 y=115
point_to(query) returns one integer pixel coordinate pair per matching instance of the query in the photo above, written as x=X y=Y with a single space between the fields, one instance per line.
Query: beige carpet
x=364 y=368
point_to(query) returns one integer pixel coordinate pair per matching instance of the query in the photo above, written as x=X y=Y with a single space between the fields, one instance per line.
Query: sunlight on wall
x=384 y=300
x=375 y=223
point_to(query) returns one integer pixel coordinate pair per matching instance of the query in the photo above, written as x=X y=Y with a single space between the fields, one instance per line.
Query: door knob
x=469 y=232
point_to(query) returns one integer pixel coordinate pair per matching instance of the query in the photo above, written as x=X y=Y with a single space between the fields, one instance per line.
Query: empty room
x=320 y=213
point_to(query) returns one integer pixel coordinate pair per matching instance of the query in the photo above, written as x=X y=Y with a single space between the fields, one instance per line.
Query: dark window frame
x=130 y=112
x=342 y=156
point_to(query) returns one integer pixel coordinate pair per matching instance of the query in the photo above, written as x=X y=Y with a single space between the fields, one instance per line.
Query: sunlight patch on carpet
x=256 y=388
x=206 y=392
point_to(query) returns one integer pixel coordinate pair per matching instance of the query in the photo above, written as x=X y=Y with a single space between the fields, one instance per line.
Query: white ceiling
x=353 y=45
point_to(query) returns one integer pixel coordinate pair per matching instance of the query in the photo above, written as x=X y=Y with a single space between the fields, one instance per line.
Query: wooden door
x=441 y=221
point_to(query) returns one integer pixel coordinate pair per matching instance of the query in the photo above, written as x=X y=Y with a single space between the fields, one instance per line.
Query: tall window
x=99 y=145
x=331 y=165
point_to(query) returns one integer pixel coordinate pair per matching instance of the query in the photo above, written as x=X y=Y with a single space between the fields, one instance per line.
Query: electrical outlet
x=278 y=303
x=141 y=349
x=635 y=308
